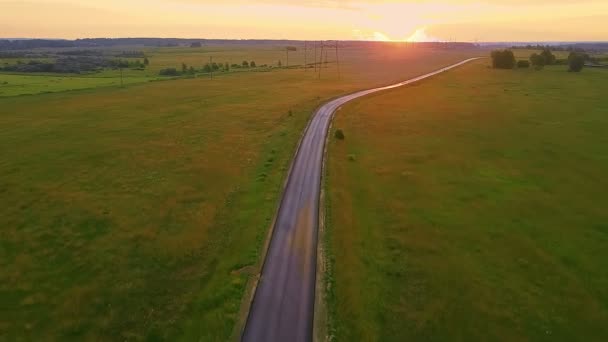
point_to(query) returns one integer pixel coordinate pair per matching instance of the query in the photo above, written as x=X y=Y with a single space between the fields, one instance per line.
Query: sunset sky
x=416 y=20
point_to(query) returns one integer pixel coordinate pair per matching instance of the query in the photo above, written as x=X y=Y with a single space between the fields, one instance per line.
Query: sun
x=419 y=35
x=381 y=37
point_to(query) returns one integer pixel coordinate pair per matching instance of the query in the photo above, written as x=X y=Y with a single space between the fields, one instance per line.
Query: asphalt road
x=283 y=305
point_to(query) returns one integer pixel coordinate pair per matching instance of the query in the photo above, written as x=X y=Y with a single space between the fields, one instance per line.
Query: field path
x=282 y=308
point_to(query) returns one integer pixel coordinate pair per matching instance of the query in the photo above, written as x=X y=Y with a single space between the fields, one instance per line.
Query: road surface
x=283 y=304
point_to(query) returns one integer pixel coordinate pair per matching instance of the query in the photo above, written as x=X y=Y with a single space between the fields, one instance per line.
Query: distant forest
x=26 y=44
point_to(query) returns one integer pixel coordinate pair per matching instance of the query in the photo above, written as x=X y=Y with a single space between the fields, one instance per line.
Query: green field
x=139 y=212
x=377 y=65
x=11 y=85
x=471 y=207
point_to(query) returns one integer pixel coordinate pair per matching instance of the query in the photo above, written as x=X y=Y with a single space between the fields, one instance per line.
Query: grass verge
x=470 y=207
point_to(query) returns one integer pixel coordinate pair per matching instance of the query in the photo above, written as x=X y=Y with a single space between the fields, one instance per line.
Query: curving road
x=283 y=305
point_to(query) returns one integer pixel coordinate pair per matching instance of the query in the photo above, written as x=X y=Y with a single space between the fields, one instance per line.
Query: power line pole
x=315 y=59
x=321 y=60
x=337 y=60
x=305 y=65
x=287 y=51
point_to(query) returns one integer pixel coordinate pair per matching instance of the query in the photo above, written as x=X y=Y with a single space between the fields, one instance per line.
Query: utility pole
x=321 y=60
x=305 y=65
x=337 y=60
x=315 y=59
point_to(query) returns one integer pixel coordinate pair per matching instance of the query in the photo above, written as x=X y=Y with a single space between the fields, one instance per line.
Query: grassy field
x=139 y=212
x=12 y=85
x=359 y=64
x=472 y=207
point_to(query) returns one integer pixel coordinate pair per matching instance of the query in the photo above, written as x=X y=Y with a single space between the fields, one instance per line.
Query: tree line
x=76 y=65
x=208 y=68
x=505 y=59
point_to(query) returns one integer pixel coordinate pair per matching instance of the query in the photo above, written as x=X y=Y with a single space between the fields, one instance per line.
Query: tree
x=280 y=64
x=191 y=70
x=503 y=59
x=576 y=62
x=523 y=64
x=245 y=64
x=252 y=64
x=548 y=56
x=146 y=61
x=195 y=45
x=184 y=68
x=226 y=66
x=537 y=60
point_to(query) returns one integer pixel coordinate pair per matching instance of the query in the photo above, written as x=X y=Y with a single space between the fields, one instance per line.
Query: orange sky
x=461 y=20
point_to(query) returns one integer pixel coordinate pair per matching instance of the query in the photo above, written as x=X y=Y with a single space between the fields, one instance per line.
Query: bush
x=523 y=64
x=339 y=134
x=252 y=64
x=542 y=59
x=548 y=56
x=576 y=62
x=245 y=64
x=169 y=72
x=503 y=59
x=537 y=60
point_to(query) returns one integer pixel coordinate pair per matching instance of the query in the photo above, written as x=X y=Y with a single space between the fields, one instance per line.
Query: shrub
x=245 y=64
x=537 y=60
x=503 y=59
x=169 y=72
x=523 y=64
x=548 y=56
x=576 y=61
x=339 y=134
x=252 y=64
